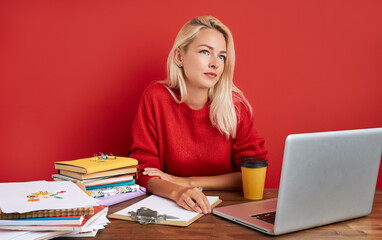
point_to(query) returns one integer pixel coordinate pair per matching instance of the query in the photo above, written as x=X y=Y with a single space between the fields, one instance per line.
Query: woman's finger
x=207 y=204
x=202 y=204
x=152 y=171
x=157 y=172
x=193 y=205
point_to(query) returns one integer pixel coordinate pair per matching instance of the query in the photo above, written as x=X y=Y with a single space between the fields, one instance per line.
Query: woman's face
x=203 y=61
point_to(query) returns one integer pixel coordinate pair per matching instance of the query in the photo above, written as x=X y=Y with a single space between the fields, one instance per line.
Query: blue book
x=131 y=182
x=64 y=220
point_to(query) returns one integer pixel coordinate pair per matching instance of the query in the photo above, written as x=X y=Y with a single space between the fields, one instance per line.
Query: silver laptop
x=326 y=177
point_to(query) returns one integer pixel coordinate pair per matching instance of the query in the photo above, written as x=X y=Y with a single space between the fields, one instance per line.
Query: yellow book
x=94 y=164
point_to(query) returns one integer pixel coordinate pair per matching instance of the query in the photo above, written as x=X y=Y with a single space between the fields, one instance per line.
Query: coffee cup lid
x=254 y=163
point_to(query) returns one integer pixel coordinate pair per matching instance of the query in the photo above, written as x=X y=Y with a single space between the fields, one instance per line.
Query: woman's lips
x=210 y=74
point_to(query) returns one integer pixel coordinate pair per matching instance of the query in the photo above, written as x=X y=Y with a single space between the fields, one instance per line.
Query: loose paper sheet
x=99 y=223
x=9 y=234
x=164 y=206
x=27 y=235
x=41 y=195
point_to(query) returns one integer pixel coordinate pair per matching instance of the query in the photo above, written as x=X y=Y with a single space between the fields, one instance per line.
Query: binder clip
x=146 y=215
x=103 y=156
x=100 y=158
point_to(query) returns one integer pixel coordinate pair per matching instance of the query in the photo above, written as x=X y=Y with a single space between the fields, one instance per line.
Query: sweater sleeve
x=247 y=142
x=145 y=138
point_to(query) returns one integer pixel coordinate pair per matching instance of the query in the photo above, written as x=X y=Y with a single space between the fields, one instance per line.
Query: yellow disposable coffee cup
x=253 y=171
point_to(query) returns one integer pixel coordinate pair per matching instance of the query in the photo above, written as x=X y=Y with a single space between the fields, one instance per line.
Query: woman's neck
x=196 y=98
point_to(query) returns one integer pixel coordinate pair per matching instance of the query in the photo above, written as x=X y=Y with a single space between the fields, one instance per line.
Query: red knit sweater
x=182 y=141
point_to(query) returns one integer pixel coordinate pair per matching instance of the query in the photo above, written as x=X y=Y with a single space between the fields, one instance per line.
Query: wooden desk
x=214 y=227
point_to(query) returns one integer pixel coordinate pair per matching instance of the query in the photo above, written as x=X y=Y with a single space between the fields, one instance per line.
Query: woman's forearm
x=163 y=188
x=229 y=181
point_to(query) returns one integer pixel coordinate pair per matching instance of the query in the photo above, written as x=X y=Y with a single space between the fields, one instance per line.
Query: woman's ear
x=178 y=57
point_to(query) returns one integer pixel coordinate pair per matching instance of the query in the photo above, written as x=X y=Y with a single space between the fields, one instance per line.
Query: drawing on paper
x=37 y=196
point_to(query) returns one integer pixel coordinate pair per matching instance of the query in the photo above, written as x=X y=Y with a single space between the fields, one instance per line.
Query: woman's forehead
x=210 y=37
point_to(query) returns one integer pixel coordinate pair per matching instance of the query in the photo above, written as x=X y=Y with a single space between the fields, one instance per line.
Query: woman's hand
x=183 y=181
x=193 y=199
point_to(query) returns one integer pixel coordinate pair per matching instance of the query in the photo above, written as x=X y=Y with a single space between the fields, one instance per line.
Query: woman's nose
x=214 y=63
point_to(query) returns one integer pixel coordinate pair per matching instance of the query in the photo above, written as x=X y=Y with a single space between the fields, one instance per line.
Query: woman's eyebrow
x=210 y=47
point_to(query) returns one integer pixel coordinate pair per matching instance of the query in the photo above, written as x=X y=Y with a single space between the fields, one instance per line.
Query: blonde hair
x=222 y=108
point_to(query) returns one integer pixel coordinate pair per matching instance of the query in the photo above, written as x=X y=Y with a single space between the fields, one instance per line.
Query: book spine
x=131 y=182
x=115 y=172
x=49 y=213
x=112 y=191
x=78 y=169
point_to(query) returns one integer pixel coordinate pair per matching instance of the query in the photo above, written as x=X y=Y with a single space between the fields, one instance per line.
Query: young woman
x=193 y=130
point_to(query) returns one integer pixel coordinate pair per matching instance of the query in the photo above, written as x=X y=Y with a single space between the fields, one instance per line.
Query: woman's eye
x=205 y=52
x=222 y=57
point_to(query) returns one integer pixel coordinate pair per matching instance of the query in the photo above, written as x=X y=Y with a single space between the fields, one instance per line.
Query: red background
x=72 y=72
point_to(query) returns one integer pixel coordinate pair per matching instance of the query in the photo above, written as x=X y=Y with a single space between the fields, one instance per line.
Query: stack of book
x=43 y=210
x=110 y=179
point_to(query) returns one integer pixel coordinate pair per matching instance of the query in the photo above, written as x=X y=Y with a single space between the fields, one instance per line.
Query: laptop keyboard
x=268 y=217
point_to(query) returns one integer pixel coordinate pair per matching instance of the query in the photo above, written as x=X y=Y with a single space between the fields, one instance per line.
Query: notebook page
x=164 y=206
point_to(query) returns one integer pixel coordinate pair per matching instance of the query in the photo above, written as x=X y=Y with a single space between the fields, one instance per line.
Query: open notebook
x=165 y=206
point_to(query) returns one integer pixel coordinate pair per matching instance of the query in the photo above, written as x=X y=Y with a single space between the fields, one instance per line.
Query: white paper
x=164 y=206
x=31 y=235
x=91 y=233
x=26 y=235
x=10 y=234
x=99 y=223
x=62 y=195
